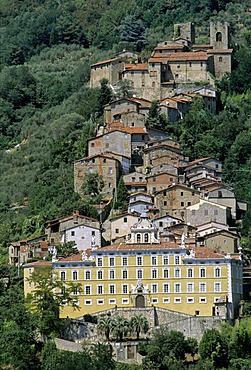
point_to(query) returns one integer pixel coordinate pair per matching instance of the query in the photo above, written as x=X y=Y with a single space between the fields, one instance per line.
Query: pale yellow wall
x=106 y=300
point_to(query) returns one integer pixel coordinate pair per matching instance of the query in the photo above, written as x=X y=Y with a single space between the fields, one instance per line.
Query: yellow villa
x=144 y=272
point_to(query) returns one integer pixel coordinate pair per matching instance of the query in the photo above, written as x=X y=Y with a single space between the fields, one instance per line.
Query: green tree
x=213 y=347
x=138 y=324
x=105 y=95
x=104 y=326
x=155 y=118
x=122 y=196
x=132 y=30
x=119 y=327
x=48 y=295
x=93 y=184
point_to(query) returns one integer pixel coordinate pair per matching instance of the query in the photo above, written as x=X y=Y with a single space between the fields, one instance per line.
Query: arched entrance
x=140 y=301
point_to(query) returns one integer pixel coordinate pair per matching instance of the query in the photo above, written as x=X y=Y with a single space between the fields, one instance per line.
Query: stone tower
x=185 y=31
x=219 y=35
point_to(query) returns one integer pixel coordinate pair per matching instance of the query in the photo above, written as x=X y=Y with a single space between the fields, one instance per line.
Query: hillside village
x=177 y=247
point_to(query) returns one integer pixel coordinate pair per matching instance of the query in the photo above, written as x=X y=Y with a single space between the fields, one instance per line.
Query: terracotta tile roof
x=15 y=244
x=37 y=263
x=105 y=62
x=204 y=47
x=161 y=59
x=206 y=252
x=136 y=183
x=170 y=47
x=188 y=56
x=66 y=218
x=129 y=247
x=74 y=257
x=131 y=130
x=136 y=67
x=220 y=51
x=161 y=174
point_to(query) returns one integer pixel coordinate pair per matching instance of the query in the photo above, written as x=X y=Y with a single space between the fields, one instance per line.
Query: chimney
x=75 y=217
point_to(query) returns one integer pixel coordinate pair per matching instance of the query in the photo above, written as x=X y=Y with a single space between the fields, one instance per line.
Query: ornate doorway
x=140 y=301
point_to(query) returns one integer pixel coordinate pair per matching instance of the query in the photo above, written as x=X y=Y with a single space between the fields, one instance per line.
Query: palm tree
x=119 y=326
x=139 y=323
x=104 y=326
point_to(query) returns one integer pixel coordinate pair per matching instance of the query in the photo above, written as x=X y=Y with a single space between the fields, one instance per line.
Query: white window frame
x=177 y=259
x=124 y=271
x=203 y=269
x=88 y=271
x=112 y=300
x=154 y=288
x=177 y=273
x=98 y=274
x=177 y=300
x=190 y=300
x=154 y=274
x=200 y=287
x=217 y=284
x=122 y=288
x=190 y=272
x=111 y=259
x=102 y=289
x=166 y=300
x=85 y=289
x=123 y=259
x=100 y=302
x=217 y=272
x=141 y=273
x=112 y=272
x=139 y=258
x=75 y=272
x=88 y=302
x=203 y=300
x=100 y=262
x=166 y=290
x=190 y=287
x=154 y=261
x=163 y=273
x=114 y=288
x=176 y=285
x=63 y=273
x=165 y=259
x=125 y=301
x=154 y=300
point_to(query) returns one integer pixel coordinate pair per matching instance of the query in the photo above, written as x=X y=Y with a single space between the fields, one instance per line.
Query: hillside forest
x=48 y=112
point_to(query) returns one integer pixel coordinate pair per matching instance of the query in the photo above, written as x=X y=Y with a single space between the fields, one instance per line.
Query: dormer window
x=138 y=238
x=146 y=238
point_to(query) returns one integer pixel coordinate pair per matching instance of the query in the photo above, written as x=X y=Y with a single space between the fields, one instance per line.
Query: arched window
x=138 y=238
x=220 y=59
x=153 y=84
x=218 y=36
x=146 y=238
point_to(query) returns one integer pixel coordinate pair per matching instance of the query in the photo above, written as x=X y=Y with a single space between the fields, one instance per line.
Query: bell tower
x=219 y=35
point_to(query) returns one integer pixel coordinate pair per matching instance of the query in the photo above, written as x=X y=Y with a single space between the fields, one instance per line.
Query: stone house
x=135 y=182
x=211 y=227
x=105 y=165
x=160 y=181
x=175 y=199
x=169 y=168
x=205 y=211
x=139 y=202
x=223 y=241
x=225 y=197
x=165 y=221
x=121 y=226
x=172 y=66
x=83 y=230
x=107 y=69
x=154 y=155
x=21 y=251
x=203 y=167
x=117 y=108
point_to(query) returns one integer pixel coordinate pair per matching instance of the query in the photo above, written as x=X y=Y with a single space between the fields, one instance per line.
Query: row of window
x=154 y=300
x=155 y=288
x=155 y=274
x=139 y=259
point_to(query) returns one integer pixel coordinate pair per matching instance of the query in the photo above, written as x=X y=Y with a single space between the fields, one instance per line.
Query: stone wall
x=190 y=326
